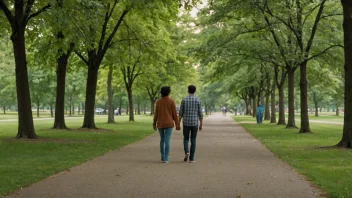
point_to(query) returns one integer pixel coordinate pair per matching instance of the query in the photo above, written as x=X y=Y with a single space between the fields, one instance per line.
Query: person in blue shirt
x=259 y=115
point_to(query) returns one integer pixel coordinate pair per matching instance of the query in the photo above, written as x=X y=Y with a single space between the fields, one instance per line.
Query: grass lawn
x=25 y=162
x=322 y=117
x=42 y=114
x=329 y=168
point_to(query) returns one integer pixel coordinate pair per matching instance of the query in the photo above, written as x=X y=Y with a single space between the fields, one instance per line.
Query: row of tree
x=120 y=40
x=258 y=47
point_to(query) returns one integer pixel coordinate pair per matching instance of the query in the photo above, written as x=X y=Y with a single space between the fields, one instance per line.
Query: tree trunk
x=247 y=109
x=38 y=108
x=4 y=108
x=152 y=106
x=51 y=110
x=79 y=108
x=139 y=108
x=73 y=108
x=254 y=108
x=82 y=107
x=267 y=101
x=305 y=128
x=70 y=105
x=282 y=120
x=61 y=65
x=273 y=101
x=291 y=99
x=111 y=118
x=346 y=141
x=337 y=111
x=90 y=96
x=25 y=117
x=316 y=109
x=130 y=104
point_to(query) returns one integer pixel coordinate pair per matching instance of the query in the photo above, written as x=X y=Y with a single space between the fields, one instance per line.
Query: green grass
x=324 y=117
x=42 y=114
x=329 y=168
x=25 y=162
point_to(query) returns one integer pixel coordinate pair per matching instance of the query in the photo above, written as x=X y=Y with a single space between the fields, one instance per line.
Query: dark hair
x=192 y=89
x=165 y=91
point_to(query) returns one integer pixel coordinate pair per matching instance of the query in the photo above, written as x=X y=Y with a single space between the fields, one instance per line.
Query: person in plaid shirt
x=192 y=115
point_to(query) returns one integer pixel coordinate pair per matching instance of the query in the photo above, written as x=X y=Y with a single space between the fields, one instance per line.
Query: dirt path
x=229 y=163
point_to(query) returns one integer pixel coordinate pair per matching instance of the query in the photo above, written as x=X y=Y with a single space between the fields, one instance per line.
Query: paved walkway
x=229 y=163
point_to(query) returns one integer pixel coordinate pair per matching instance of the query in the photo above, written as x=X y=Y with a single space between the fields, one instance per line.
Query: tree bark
x=61 y=66
x=38 y=108
x=305 y=128
x=70 y=105
x=273 y=101
x=51 y=110
x=247 y=109
x=337 y=111
x=291 y=100
x=90 y=95
x=130 y=104
x=152 y=107
x=79 y=108
x=4 y=108
x=282 y=120
x=254 y=108
x=139 y=108
x=111 y=118
x=25 y=117
x=346 y=141
x=267 y=100
x=316 y=109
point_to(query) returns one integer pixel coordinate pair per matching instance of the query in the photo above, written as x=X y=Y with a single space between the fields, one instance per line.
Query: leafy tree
x=18 y=13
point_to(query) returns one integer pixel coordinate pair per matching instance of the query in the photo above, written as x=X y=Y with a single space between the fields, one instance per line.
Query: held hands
x=154 y=126
x=178 y=127
x=200 y=127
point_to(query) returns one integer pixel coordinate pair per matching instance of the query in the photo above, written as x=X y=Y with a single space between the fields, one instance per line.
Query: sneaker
x=186 y=157
x=165 y=162
x=192 y=161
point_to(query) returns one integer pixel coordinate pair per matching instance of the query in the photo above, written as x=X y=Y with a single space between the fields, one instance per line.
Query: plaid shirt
x=191 y=110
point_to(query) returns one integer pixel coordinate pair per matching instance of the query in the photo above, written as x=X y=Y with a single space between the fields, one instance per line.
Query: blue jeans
x=187 y=131
x=259 y=118
x=165 y=135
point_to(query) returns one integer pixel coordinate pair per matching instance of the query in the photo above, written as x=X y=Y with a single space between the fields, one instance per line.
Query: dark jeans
x=259 y=118
x=187 y=131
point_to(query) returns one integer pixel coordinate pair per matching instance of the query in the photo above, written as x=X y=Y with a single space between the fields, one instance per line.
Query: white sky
x=195 y=10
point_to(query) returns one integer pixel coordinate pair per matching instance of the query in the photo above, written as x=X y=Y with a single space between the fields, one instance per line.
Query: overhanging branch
x=43 y=9
x=81 y=57
x=6 y=11
x=324 y=51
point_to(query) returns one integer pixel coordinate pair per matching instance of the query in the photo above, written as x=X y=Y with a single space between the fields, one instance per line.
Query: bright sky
x=195 y=10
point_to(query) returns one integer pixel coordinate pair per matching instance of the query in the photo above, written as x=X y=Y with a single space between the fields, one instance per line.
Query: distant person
x=191 y=112
x=165 y=118
x=223 y=109
x=259 y=115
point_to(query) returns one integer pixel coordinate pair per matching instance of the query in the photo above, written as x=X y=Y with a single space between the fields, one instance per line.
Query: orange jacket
x=165 y=114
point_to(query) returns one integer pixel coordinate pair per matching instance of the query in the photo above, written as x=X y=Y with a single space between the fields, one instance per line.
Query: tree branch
x=108 y=41
x=6 y=11
x=322 y=52
x=43 y=9
x=81 y=57
x=314 y=29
